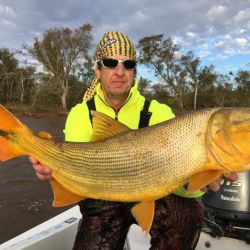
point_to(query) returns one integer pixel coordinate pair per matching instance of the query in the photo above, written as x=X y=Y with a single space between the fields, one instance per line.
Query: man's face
x=116 y=82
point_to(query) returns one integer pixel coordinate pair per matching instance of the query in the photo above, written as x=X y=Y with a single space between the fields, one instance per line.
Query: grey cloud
x=195 y=24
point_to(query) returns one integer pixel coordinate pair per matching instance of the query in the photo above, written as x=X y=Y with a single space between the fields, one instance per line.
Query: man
x=178 y=217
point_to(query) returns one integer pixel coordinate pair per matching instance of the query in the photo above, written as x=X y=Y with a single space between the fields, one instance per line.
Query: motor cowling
x=227 y=212
x=232 y=201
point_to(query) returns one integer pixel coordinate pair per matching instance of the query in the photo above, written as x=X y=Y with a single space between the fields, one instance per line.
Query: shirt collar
x=132 y=91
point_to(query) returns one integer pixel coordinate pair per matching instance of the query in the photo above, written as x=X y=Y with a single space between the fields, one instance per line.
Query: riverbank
x=28 y=111
x=40 y=113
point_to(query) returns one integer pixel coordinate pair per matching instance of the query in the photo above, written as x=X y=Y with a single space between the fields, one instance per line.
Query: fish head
x=228 y=139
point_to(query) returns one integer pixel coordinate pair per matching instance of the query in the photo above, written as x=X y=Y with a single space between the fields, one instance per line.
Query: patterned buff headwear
x=111 y=44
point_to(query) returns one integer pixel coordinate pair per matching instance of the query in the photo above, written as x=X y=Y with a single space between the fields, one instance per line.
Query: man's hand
x=42 y=172
x=215 y=185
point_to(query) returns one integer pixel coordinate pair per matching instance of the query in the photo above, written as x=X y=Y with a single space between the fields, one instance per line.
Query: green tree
x=47 y=91
x=160 y=92
x=242 y=83
x=81 y=78
x=191 y=65
x=160 y=55
x=59 y=50
x=144 y=86
x=207 y=79
x=8 y=64
x=223 y=91
x=16 y=83
x=24 y=79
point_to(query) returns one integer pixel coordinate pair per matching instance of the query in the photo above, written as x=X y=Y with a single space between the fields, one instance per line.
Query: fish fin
x=105 y=126
x=7 y=150
x=143 y=212
x=45 y=135
x=8 y=121
x=63 y=197
x=10 y=126
x=202 y=179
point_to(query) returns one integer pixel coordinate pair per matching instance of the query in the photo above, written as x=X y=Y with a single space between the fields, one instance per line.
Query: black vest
x=144 y=116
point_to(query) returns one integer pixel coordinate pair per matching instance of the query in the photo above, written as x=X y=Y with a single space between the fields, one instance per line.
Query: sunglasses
x=111 y=63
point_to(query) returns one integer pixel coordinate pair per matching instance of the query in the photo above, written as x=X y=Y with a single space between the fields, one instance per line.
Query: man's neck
x=115 y=102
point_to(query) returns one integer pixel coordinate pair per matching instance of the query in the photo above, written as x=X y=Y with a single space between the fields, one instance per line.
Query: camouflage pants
x=177 y=224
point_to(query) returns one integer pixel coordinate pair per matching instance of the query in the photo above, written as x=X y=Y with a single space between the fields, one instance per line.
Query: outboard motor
x=227 y=212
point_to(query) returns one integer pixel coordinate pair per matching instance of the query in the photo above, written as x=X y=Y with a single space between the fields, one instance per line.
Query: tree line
x=68 y=67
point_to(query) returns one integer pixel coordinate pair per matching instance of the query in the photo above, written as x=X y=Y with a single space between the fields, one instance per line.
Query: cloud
x=217 y=12
x=6 y=16
x=191 y=35
x=215 y=28
x=6 y=11
x=242 y=16
x=241 y=41
x=204 y=53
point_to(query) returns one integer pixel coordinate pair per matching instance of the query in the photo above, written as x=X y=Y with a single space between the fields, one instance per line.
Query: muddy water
x=25 y=201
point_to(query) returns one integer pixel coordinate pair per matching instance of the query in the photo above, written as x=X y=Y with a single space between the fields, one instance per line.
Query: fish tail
x=10 y=129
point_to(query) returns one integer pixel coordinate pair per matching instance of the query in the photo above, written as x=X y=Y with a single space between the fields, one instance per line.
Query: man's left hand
x=215 y=185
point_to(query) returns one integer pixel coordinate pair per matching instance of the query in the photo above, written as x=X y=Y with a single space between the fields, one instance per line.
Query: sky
x=217 y=31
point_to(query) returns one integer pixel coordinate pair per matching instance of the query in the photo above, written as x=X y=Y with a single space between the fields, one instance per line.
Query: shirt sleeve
x=160 y=112
x=78 y=127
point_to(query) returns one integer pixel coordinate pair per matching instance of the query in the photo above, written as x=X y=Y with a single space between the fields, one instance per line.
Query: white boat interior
x=59 y=232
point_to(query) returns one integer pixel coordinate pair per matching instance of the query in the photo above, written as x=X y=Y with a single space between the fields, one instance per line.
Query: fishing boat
x=226 y=224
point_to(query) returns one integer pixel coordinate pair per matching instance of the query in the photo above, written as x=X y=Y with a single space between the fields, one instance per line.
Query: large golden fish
x=136 y=165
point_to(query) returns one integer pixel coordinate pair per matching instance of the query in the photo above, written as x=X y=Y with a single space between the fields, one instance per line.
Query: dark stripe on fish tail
x=4 y=134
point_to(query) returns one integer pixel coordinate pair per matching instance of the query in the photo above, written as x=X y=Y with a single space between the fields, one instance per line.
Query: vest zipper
x=116 y=112
x=116 y=115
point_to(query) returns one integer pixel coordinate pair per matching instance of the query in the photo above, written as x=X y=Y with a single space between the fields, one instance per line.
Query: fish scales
x=114 y=169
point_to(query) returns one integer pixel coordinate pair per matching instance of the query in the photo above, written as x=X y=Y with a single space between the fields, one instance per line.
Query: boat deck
x=59 y=232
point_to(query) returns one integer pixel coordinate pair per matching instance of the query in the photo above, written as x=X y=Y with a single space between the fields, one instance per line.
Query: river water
x=25 y=201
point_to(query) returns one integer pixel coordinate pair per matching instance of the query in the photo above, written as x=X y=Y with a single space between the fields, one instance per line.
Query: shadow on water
x=25 y=201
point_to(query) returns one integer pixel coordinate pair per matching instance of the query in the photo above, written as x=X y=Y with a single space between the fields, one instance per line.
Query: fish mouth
x=221 y=141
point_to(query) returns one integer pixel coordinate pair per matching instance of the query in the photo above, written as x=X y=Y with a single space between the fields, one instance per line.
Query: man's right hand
x=42 y=172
